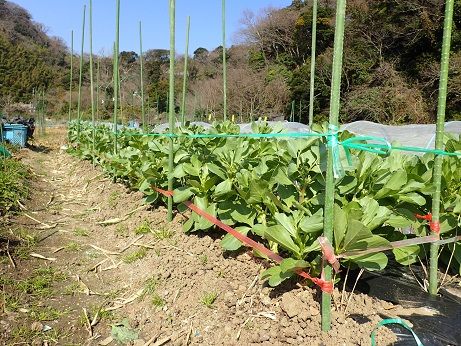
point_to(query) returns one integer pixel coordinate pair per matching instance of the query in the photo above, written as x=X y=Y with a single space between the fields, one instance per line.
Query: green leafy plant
x=274 y=189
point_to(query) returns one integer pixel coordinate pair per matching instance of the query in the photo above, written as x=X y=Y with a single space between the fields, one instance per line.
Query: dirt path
x=115 y=271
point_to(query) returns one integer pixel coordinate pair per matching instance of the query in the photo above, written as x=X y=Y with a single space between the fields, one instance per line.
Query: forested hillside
x=390 y=72
x=391 y=63
x=30 y=61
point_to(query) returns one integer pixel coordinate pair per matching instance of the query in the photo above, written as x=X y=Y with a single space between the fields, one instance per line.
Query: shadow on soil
x=441 y=322
x=39 y=148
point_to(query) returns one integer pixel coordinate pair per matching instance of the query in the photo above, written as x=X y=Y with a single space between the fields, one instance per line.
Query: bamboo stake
x=440 y=127
x=171 y=106
x=98 y=81
x=195 y=107
x=119 y=83
x=167 y=103
x=71 y=72
x=300 y=110
x=158 y=106
x=116 y=73
x=224 y=59
x=141 y=66
x=313 y=52
x=93 y=134
x=329 y=180
x=80 y=77
x=42 y=115
x=184 y=82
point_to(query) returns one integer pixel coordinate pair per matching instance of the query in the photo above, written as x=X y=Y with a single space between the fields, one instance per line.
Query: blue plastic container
x=16 y=134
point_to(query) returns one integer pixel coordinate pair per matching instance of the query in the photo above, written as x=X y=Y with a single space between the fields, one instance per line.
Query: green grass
x=81 y=232
x=14 y=187
x=101 y=313
x=72 y=289
x=208 y=299
x=162 y=233
x=73 y=246
x=28 y=241
x=46 y=313
x=24 y=334
x=135 y=255
x=11 y=302
x=150 y=286
x=122 y=230
x=143 y=228
x=40 y=282
x=25 y=236
x=113 y=198
x=157 y=300
x=150 y=290
x=203 y=259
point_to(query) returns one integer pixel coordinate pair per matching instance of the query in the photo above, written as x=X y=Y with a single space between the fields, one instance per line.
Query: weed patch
x=208 y=299
x=135 y=255
x=13 y=185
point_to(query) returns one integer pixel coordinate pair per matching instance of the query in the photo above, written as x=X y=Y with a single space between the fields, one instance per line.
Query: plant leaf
x=281 y=236
x=230 y=243
x=371 y=262
x=407 y=255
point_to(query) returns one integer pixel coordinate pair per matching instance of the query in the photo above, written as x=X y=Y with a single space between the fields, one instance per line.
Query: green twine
x=394 y=321
x=333 y=143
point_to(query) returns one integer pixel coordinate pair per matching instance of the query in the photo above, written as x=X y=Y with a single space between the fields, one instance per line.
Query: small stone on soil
x=291 y=305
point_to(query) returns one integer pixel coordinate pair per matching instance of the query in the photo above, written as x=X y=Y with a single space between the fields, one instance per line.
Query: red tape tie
x=329 y=253
x=325 y=286
x=434 y=226
x=427 y=217
x=164 y=192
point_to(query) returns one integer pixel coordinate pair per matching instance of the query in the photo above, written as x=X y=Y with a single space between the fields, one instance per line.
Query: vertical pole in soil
x=184 y=81
x=158 y=106
x=195 y=107
x=171 y=107
x=330 y=184
x=116 y=74
x=141 y=66
x=119 y=83
x=93 y=123
x=167 y=103
x=440 y=127
x=224 y=59
x=79 y=103
x=313 y=49
x=300 y=110
x=292 y=116
x=71 y=72
x=150 y=119
x=97 y=88
x=42 y=117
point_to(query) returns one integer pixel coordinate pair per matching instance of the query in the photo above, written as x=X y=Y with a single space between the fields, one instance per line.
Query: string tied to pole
x=333 y=145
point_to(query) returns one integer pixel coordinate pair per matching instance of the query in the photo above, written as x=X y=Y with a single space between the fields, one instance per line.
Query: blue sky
x=62 y=16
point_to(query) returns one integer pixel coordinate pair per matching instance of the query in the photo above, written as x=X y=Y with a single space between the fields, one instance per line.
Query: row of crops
x=273 y=190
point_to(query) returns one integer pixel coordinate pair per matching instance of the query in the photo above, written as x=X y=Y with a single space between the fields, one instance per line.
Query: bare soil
x=141 y=278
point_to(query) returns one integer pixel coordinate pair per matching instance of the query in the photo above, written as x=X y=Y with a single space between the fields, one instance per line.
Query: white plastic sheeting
x=421 y=135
